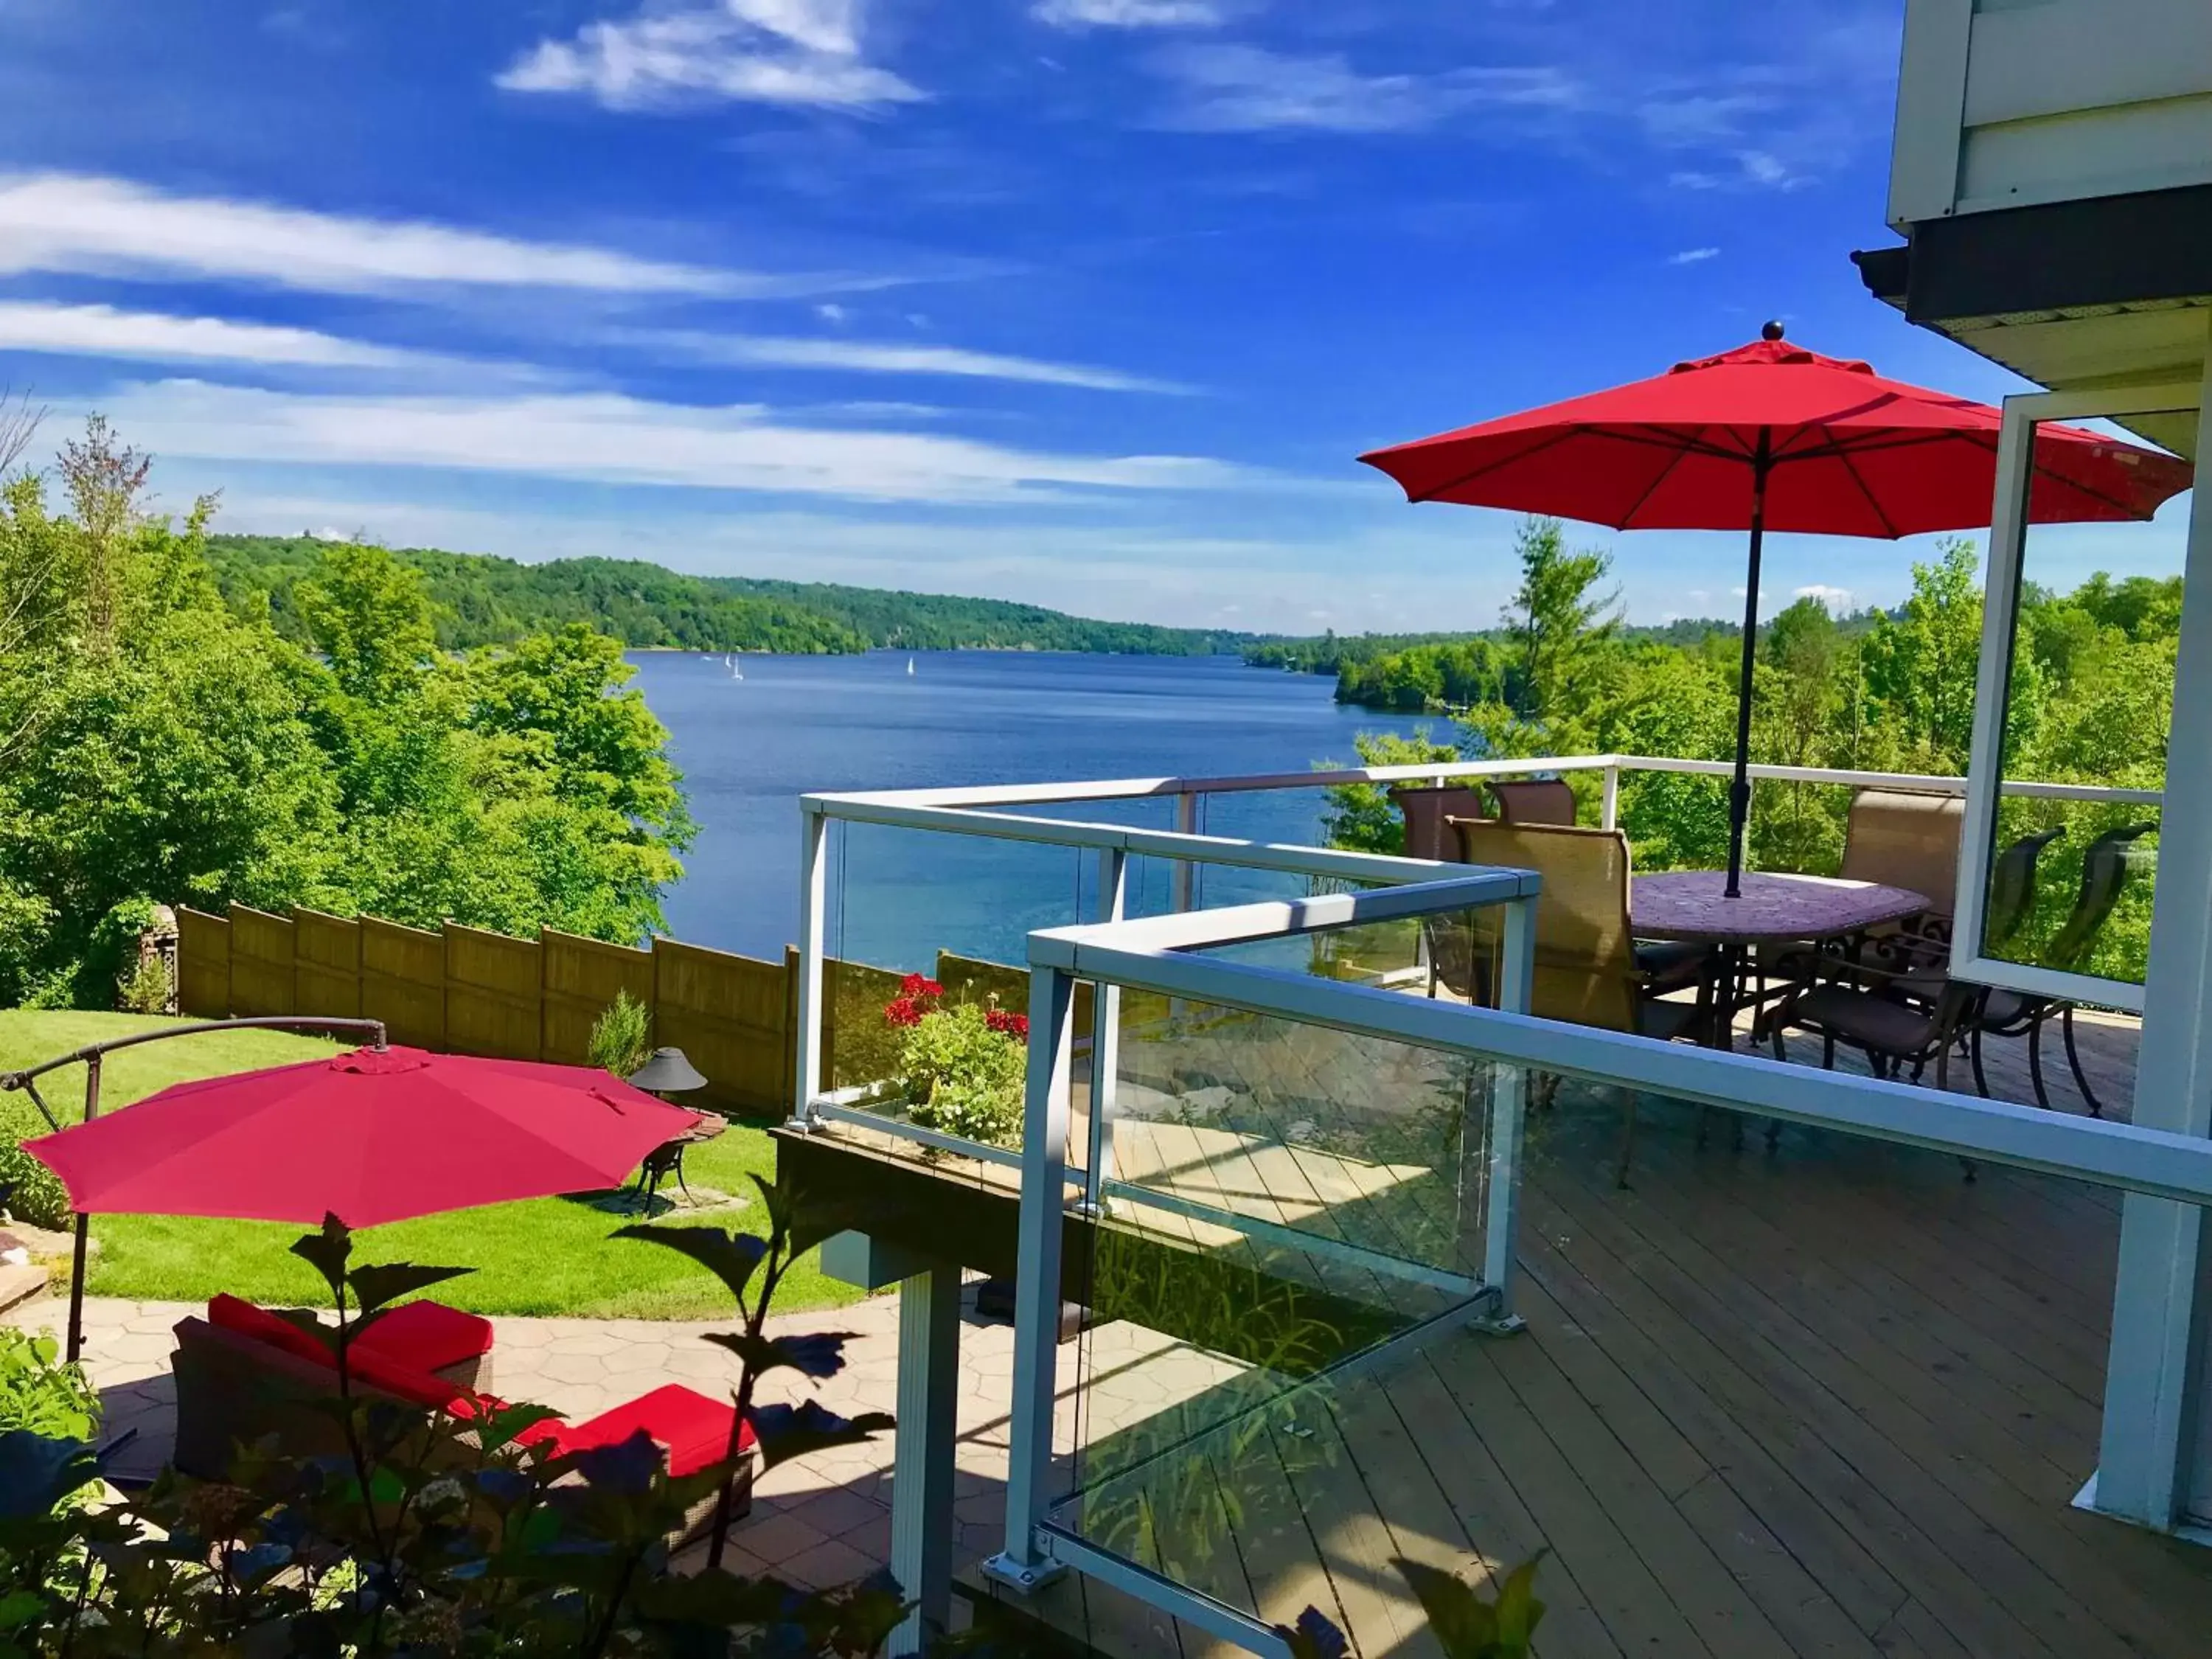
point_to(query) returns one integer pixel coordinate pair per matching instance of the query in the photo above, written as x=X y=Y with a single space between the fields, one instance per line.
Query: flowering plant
x=963 y=1069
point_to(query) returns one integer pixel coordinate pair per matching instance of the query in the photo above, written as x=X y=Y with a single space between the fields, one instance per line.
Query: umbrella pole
x=83 y=1223
x=1739 y=790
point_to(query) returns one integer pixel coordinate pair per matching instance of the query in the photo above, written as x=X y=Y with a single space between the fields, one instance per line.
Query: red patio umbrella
x=372 y=1136
x=1770 y=436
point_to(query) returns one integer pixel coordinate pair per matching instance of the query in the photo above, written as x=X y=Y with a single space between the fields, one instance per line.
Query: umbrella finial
x=1770 y=331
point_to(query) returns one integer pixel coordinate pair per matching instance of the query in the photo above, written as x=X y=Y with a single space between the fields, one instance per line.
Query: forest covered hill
x=482 y=599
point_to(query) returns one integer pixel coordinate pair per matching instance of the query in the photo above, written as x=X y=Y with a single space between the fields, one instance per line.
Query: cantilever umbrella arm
x=90 y=1057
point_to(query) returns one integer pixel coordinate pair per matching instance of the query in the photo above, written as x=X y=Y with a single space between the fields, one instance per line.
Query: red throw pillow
x=233 y=1314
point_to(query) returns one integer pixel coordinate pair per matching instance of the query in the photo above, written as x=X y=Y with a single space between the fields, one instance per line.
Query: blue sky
x=1089 y=302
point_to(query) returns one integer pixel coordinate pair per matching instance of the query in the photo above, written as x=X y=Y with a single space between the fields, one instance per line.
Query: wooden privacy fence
x=462 y=990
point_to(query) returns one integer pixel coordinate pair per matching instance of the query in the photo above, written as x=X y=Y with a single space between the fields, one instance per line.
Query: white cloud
x=1694 y=256
x=1755 y=169
x=1127 y=14
x=610 y=438
x=114 y=227
x=1836 y=598
x=893 y=357
x=152 y=337
x=1243 y=88
x=831 y=311
x=762 y=51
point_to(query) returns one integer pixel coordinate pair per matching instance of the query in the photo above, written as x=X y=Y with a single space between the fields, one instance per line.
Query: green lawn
x=549 y=1256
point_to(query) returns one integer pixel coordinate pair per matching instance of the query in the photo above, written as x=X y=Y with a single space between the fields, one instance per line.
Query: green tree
x=1557 y=625
x=370 y=616
x=1920 y=665
x=1361 y=816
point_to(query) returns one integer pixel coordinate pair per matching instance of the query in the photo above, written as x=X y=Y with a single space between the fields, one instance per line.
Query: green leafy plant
x=621 y=1036
x=40 y=1392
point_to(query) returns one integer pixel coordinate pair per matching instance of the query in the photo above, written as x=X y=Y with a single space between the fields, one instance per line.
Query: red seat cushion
x=387 y=1375
x=428 y=1336
x=693 y=1429
x=374 y=1370
x=231 y=1312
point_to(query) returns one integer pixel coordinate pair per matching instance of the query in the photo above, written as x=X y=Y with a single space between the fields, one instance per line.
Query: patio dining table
x=1773 y=909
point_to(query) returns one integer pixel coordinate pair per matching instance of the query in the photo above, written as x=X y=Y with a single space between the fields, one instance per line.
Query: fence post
x=1509 y=1096
x=1609 y=811
x=813 y=900
x=1022 y=1566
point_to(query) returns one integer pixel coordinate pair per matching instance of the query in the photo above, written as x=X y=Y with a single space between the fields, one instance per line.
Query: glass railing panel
x=1375 y=1149
x=1808 y=1334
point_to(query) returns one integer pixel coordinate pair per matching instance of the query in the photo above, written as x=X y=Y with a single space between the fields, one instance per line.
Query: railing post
x=813 y=902
x=1022 y=1566
x=1105 y=1034
x=1508 y=1098
x=1186 y=872
x=921 y=1479
x=1608 y=815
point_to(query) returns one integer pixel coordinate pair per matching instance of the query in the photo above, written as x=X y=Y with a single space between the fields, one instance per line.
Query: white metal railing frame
x=1165 y=954
x=1114 y=844
x=977 y=810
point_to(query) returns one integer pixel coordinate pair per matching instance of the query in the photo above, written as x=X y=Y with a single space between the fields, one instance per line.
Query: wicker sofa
x=235 y=1389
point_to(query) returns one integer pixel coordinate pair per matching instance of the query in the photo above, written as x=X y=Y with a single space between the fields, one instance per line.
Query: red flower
x=1007 y=1024
x=921 y=988
x=903 y=1011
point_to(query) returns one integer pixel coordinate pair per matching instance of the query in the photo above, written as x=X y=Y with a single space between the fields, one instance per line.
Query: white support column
x=1036 y=1282
x=922 y=1472
x=2154 y=1464
x=814 y=907
x=1608 y=814
x=1105 y=1034
x=1509 y=1095
x=1186 y=873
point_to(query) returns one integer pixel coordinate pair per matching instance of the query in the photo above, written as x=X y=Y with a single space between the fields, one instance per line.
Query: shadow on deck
x=1831 y=1398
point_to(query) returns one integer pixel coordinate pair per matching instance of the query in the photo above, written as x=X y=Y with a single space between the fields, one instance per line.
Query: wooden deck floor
x=1832 y=1399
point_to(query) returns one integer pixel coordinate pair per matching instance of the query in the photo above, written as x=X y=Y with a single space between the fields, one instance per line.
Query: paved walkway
x=820 y=1519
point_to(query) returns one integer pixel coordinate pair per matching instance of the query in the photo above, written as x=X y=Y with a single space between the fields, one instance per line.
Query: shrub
x=146 y=989
x=37 y=1194
x=964 y=1069
x=621 y=1037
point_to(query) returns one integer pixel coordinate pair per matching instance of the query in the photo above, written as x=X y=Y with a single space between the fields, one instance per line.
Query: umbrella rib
x=1891 y=529
x=1466 y=479
x=1628 y=519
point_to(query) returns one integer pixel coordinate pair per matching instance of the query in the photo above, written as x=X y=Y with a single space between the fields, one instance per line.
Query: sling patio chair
x=1534 y=800
x=1908 y=1019
x=1587 y=970
x=1425 y=810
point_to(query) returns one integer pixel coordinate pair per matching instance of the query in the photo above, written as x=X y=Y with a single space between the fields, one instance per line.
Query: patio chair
x=1909 y=841
x=1428 y=836
x=1587 y=967
x=2107 y=866
x=1909 y=1019
x=1534 y=800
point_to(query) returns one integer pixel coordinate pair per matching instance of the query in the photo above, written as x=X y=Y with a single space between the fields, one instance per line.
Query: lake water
x=748 y=748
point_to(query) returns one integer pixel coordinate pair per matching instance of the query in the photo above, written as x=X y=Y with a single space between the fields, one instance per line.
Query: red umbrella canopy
x=371 y=1136
x=1847 y=453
